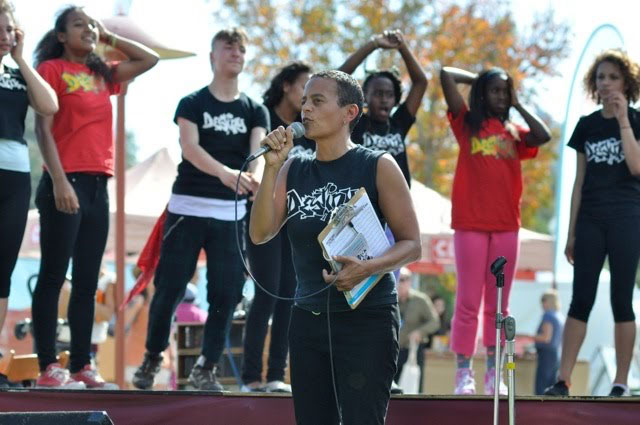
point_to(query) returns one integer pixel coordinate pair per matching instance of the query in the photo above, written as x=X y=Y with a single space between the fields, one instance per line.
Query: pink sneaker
x=465 y=384
x=92 y=379
x=58 y=377
x=489 y=379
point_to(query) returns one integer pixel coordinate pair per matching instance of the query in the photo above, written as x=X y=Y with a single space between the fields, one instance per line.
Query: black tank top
x=314 y=189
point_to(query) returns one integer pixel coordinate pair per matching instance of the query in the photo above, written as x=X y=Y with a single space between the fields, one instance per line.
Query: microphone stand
x=510 y=335
x=497 y=269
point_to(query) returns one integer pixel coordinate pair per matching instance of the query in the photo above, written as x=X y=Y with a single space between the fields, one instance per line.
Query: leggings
x=475 y=251
x=619 y=239
x=15 y=191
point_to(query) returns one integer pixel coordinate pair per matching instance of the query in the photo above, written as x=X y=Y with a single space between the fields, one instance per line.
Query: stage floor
x=200 y=408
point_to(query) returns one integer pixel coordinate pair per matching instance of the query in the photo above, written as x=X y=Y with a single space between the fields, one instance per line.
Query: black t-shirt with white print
x=301 y=145
x=388 y=136
x=314 y=189
x=609 y=190
x=14 y=103
x=224 y=131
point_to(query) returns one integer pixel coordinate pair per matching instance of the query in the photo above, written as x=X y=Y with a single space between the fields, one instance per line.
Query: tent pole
x=120 y=234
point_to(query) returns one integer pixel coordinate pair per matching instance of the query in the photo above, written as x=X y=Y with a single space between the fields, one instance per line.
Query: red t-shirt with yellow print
x=487 y=185
x=83 y=126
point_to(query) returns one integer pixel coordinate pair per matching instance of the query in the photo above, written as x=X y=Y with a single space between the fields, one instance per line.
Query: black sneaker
x=143 y=378
x=558 y=389
x=618 y=390
x=204 y=379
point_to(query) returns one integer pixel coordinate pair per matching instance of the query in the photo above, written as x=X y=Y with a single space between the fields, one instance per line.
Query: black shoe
x=558 y=389
x=143 y=378
x=618 y=390
x=204 y=379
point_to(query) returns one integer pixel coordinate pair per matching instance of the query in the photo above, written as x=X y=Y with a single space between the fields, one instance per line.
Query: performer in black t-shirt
x=378 y=128
x=219 y=127
x=19 y=88
x=303 y=191
x=271 y=263
x=605 y=212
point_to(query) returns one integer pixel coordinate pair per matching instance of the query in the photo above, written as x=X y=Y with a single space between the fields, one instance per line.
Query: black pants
x=365 y=350
x=15 y=191
x=619 y=239
x=83 y=237
x=403 y=356
x=272 y=266
x=184 y=237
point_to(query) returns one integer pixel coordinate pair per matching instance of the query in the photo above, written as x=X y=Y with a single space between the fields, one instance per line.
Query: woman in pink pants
x=487 y=188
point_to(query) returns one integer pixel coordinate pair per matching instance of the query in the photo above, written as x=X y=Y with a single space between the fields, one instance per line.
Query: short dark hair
x=628 y=68
x=395 y=80
x=287 y=74
x=348 y=90
x=231 y=35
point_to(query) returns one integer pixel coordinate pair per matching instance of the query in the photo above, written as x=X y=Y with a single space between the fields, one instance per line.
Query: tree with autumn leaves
x=478 y=34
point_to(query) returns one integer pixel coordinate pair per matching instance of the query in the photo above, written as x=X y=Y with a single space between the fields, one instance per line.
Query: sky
x=153 y=97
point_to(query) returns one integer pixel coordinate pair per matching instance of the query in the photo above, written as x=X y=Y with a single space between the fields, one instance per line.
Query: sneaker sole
x=65 y=387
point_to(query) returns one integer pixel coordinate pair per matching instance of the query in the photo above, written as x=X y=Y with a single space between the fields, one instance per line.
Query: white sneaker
x=277 y=387
x=465 y=383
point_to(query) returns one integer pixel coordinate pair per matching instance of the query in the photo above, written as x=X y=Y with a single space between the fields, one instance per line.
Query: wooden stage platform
x=200 y=408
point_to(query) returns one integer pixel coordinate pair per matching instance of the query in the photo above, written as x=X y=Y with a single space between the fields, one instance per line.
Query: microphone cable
x=278 y=297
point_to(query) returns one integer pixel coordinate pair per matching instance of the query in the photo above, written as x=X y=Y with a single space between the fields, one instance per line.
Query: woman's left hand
x=105 y=34
x=16 y=51
x=619 y=105
x=352 y=273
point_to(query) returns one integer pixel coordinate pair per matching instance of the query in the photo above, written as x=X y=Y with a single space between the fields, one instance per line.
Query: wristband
x=112 y=40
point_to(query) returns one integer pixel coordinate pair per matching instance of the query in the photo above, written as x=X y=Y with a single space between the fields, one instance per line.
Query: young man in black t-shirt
x=219 y=127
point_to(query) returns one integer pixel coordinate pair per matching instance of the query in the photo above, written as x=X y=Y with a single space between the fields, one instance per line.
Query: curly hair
x=628 y=68
x=287 y=74
x=391 y=75
x=6 y=7
x=348 y=90
x=50 y=47
x=478 y=105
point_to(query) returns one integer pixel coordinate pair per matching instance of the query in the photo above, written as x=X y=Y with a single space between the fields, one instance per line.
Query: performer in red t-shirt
x=485 y=205
x=77 y=147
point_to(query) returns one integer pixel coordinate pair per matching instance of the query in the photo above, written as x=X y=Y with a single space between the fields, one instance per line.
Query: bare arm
x=540 y=133
x=141 y=58
x=416 y=73
x=576 y=198
x=386 y=40
x=449 y=78
x=396 y=205
x=545 y=334
x=431 y=319
x=42 y=98
x=195 y=154
x=64 y=194
x=269 y=209
x=630 y=145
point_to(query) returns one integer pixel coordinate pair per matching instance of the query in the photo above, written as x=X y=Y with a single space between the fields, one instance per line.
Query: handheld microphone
x=298 y=131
